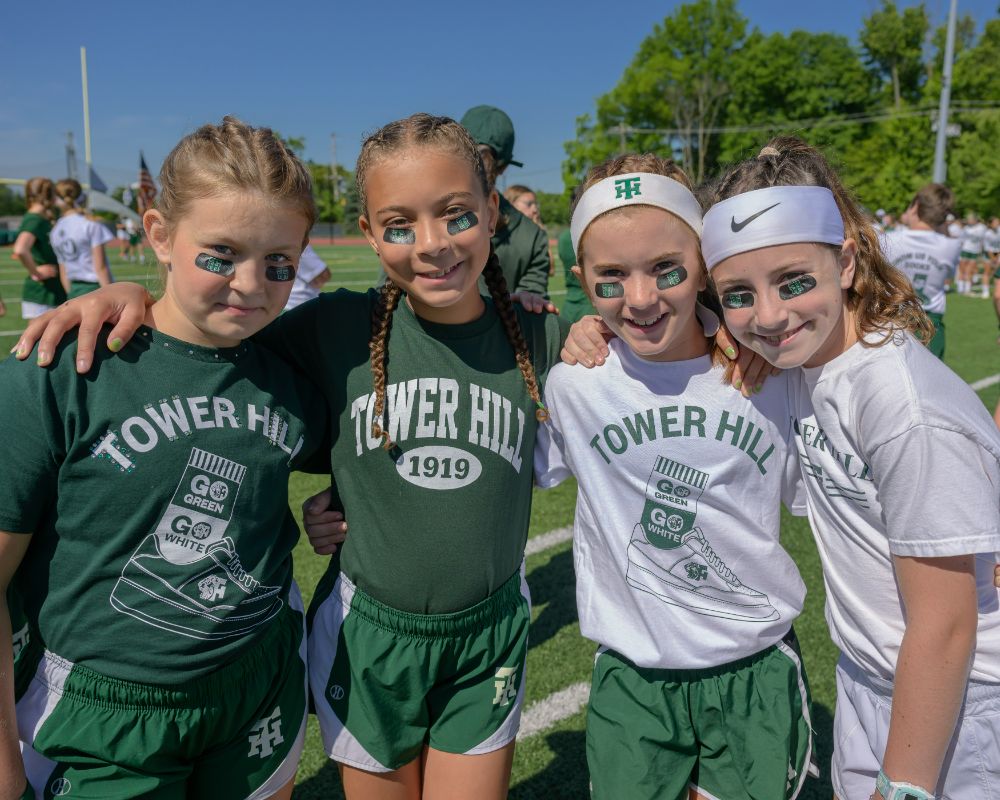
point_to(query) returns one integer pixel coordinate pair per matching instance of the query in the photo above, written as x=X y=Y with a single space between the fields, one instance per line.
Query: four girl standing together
x=433 y=403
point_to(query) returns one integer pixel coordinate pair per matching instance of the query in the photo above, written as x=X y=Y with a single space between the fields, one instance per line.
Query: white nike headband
x=765 y=217
x=634 y=189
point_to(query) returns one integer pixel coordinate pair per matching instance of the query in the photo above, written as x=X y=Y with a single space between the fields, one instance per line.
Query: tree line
x=709 y=90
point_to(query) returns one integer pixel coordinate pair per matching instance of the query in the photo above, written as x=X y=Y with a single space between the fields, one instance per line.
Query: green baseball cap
x=490 y=126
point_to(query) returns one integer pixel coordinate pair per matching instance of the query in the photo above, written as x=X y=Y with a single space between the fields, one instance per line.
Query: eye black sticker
x=674 y=277
x=280 y=274
x=462 y=223
x=796 y=286
x=215 y=265
x=399 y=236
x=609 y=290
x=737 y=300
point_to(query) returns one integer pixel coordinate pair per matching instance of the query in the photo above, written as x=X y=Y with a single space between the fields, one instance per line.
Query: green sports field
x=550 y=763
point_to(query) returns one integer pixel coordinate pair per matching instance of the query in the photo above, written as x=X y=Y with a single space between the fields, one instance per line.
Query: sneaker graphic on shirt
x=671 y=558
x=187 y=577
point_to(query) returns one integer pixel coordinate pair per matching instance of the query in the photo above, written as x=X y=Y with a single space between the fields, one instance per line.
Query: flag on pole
x=147 y=189
x=96 y=184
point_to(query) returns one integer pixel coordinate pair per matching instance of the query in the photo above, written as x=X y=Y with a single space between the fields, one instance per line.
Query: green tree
x=11 y=202
x=893 y=46
x=787 y=78
x=553 y=208
x=678 y=81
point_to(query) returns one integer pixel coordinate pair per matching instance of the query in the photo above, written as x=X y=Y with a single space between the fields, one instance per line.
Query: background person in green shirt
x=42 y=290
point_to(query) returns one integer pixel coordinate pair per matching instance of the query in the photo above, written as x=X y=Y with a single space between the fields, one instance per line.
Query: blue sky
x=314 y=68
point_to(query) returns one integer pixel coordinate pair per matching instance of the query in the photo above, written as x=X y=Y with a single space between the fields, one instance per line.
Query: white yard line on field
x=544 y=541
x=555 y=708
x=985 y=383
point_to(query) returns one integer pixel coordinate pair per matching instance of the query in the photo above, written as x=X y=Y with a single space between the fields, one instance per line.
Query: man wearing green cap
x=521 y=246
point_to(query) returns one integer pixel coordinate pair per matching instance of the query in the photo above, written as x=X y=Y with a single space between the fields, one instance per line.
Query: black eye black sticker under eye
x=280 y=274
x=215 y=265
x=609 y=290
x=674 y=277
x=462 y=223
x=737 y=300
x=399 y=236
x=796 y=286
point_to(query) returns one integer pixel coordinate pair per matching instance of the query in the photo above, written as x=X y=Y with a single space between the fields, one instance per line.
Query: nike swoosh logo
x=738 y=226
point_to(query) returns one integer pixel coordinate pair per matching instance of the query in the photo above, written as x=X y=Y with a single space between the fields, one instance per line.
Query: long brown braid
x=387 y=301
x=424 y=130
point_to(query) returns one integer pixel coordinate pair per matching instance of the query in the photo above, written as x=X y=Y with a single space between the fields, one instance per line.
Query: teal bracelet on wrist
x=893 y=790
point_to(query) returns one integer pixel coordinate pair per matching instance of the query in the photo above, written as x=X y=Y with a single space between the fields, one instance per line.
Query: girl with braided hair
x=419 y=628
x=902 y=468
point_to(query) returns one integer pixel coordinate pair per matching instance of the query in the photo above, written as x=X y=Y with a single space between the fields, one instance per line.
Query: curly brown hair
x=881 y=298
x=425 y=130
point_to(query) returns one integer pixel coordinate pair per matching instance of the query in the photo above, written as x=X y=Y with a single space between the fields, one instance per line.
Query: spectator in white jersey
x=310 y=278
x=972 y=252
x=923 y=251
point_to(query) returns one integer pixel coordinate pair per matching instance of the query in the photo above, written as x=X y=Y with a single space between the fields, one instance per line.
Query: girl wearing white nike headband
x=902 y=468
x=698 y=689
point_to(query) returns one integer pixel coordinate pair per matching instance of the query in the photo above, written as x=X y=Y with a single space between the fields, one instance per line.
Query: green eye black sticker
x=399 y=236
x=737 y=300
x=796 y=286
x=609 y=290
x=462 y=223
x=280 y=274
x=215 y=265
x=674 y=277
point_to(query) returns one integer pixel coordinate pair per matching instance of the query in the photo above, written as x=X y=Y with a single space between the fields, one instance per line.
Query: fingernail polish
x=115 y=345
x=738 y=383
x=731 y=352
x=42 y=358
x=758 y=387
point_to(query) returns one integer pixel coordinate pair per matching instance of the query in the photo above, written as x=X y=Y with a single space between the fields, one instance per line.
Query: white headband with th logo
x=634 y=189
x=765 y=217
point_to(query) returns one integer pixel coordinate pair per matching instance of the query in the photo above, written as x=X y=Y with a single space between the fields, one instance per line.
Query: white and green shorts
x=386 y=683
x=235 y=734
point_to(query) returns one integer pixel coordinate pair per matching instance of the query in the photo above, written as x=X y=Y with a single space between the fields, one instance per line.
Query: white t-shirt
x=310 y=265
x=991 y=241
x=955 y=230
x=972 y=238
x=900 y=456
x=676 y=550
x=73 y=238
x=928 y=259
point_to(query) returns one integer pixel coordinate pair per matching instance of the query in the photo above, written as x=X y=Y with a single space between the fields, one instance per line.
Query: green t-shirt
x=439 y=523
x=156 y=488
x=523 y=250
x=49 y=292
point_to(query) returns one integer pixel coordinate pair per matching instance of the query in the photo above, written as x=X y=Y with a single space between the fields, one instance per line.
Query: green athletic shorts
x=79 y=288
x=233 y=735
x=385 y=682
x=740 y=731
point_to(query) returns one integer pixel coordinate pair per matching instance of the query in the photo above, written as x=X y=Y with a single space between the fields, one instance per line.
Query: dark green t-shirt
x=439 y=523
x=157 y=490
x=523 y=250
x=49 y=292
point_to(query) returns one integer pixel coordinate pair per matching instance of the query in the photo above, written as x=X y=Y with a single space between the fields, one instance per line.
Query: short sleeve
x=551 y=467
x=793 y=487
x=99 y=234
x=940 y=493
x=33 y=438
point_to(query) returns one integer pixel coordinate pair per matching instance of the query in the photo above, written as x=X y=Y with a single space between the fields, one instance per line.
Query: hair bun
x=769 y=151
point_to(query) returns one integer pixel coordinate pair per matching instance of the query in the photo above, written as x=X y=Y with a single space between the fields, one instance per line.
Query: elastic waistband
x=975 y=691
x=433 y=626
x=262 y=658
x=694 y=674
